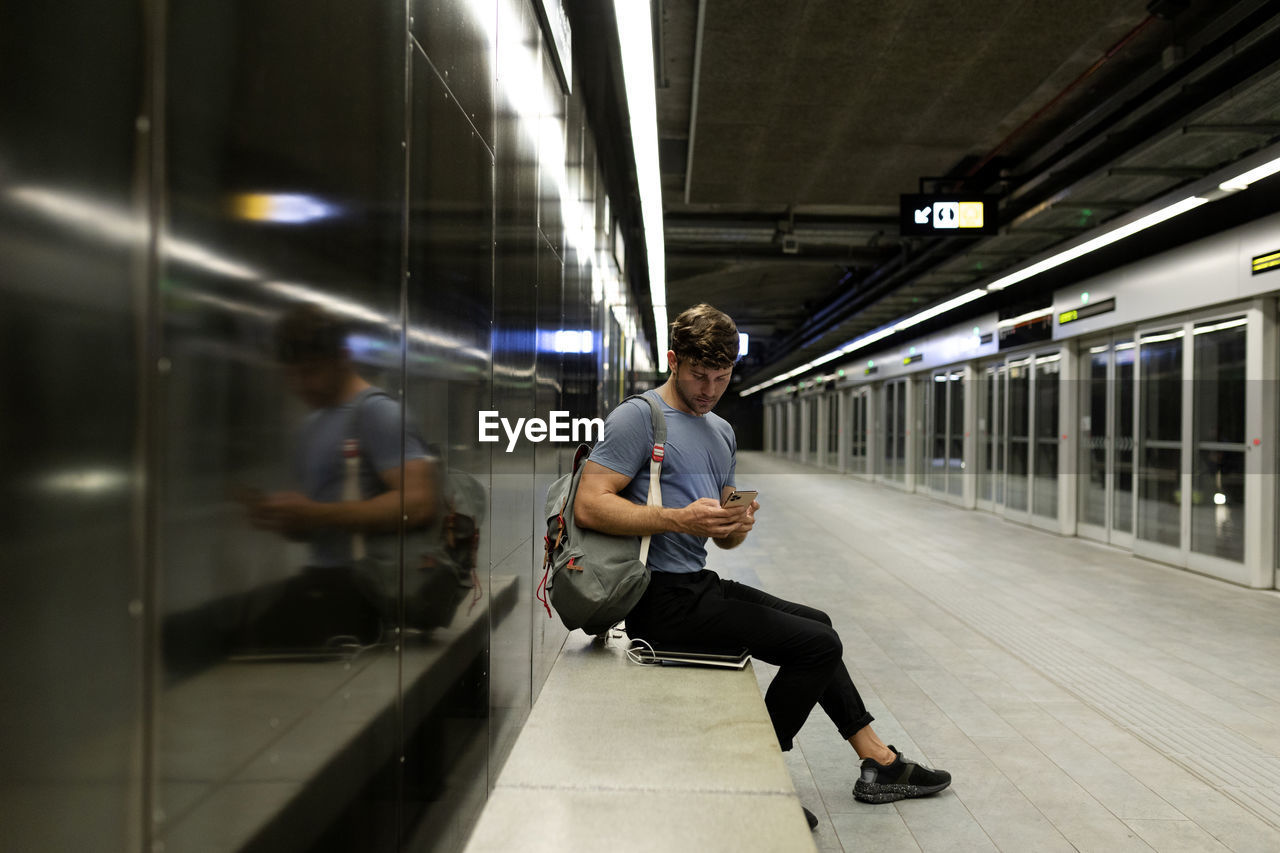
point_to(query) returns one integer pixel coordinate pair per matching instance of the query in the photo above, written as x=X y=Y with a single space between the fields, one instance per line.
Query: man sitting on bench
x=689 y=605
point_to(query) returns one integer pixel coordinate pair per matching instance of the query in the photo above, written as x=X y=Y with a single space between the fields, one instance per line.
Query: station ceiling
x=788 y=131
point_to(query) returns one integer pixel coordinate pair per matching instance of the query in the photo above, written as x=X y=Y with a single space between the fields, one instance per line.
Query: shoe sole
x=891 y=793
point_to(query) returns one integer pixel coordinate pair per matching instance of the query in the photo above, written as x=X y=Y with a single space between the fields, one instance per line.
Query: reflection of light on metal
x=289 y=208
x=87 y=481
x=566 y=341
x=1219 y=498
x=540 y=118
x=223 y=303
x=123 y=226
x=334 y=304
x=198 y=256
x=635 y=36
x=111 y=223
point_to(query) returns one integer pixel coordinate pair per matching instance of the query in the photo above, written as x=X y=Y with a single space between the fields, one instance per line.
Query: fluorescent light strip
x=635 y=37
x=1218 y=327
x=1157 y=338
x=1024 y=318
x=1098 y=242
x=867 y=340
x=936 y=310
x=1242 y=181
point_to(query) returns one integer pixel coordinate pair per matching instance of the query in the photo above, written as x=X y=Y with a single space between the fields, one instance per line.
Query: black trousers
x=702 y=610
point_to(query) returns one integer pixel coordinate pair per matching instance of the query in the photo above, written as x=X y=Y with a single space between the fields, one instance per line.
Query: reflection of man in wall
x=312 y=348
x=349 y=461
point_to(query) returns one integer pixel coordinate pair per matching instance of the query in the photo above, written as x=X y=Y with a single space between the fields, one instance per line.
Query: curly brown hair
x=705 y=335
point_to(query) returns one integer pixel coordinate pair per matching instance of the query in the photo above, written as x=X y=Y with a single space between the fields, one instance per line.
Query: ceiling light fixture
x=1243 y=180
x=1112 y=236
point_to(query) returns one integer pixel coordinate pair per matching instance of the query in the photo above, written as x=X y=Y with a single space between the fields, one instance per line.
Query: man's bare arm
x=292 y=513
x=599 y=506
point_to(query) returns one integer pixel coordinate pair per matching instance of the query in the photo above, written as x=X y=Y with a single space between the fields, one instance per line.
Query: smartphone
x=740 y=498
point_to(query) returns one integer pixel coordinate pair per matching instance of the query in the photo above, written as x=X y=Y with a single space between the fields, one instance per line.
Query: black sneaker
x=882 y=783
x=811 y=817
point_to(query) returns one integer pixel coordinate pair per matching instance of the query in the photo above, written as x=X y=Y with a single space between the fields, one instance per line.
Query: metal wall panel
x=450 y=302
x=402 y=190
x=285 y=174
x=459 y=39
x=72 y=265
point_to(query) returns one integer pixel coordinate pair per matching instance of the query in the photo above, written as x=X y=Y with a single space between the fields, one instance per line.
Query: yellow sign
x=970 y=214
x=1266 y=262
x=1068 y=316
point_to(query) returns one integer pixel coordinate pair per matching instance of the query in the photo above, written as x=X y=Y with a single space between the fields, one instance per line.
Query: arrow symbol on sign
x=922 y=215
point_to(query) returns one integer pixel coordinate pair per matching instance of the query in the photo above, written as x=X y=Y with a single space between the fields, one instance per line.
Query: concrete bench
x=622 y=757
x=255 y=755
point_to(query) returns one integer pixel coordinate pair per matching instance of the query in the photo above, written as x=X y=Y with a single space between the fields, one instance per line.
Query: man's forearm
x=380 y=514
x=618 y=516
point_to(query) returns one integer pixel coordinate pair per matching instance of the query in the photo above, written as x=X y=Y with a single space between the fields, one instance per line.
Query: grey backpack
x=594 y=579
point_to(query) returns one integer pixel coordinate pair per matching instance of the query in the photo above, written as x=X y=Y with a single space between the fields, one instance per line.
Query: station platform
x=1082 y=698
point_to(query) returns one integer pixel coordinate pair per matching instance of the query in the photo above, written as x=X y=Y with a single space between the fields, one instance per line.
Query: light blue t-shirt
x=322 y=467
x=699 y=461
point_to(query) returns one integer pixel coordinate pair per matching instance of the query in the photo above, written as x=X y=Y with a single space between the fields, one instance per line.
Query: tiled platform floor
x=1083 y=699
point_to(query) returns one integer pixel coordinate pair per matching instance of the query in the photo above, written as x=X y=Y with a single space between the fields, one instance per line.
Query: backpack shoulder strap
x=655 y=460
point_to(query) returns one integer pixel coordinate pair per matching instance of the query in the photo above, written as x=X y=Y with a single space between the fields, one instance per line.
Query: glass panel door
x=955 y=430
x=1045 y=501
x=890 y=395
x=1218 y=405
x=1094 y=436
x=1123 y=399
x=1160 y=445
x=858 y=432
x=936 y=433
x=832 y=459
x=811 y=419
x=1000 y=430
x=1018 y=445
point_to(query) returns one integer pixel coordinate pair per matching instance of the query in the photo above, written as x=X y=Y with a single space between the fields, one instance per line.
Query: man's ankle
x=886 y=758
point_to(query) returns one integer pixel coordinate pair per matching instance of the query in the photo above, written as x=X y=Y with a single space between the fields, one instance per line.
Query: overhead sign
x=1090 y=310
x=1269 y=261
x=947 y=215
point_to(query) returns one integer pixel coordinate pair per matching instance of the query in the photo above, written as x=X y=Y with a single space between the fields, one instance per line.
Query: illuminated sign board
x=1269 y=261
x=1091 y=310
x=947 y=215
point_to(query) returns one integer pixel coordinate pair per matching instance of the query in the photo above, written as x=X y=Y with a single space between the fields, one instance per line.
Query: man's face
x=317 y=382
x=698 y=386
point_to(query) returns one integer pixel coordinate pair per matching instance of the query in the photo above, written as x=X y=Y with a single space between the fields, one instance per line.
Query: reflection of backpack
x=594 y=579
x=439 y=559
